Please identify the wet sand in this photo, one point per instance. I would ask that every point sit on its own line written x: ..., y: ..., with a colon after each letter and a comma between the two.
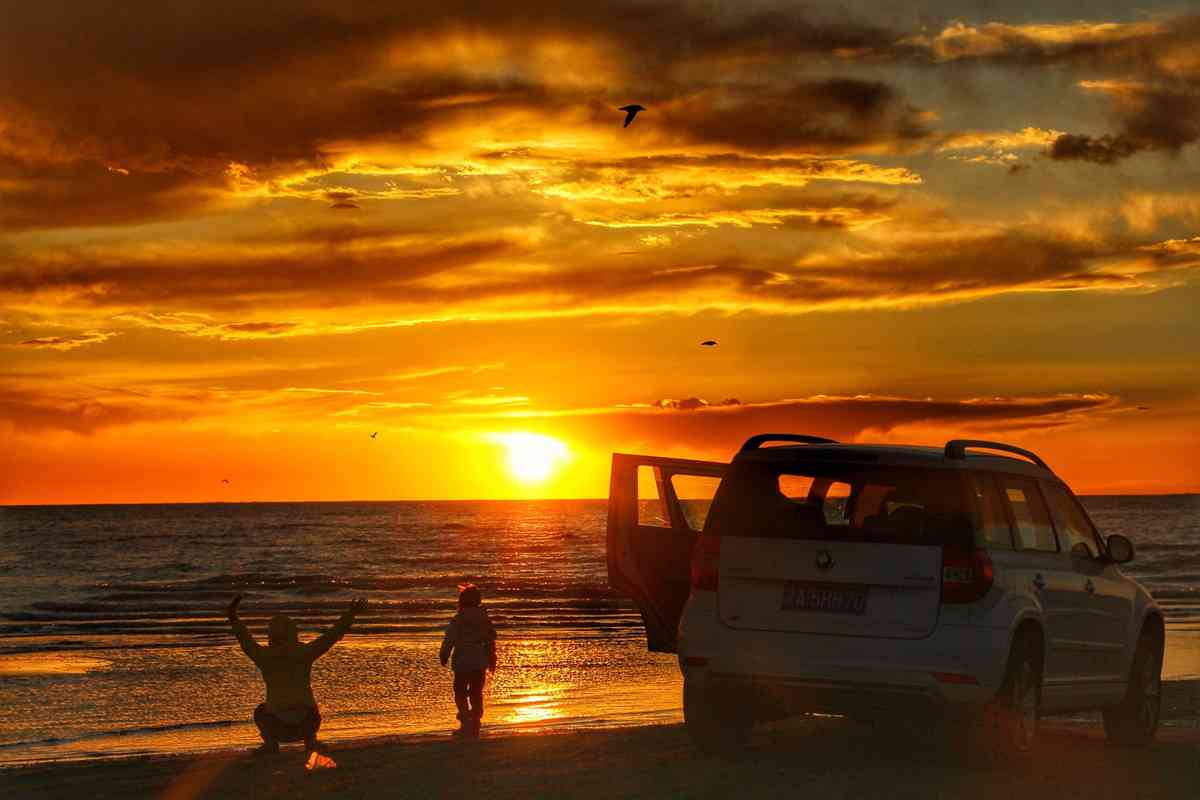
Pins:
x: 807, y: 757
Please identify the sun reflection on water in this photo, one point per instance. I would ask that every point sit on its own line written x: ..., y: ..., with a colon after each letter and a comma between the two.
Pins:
x: 535, y: 682
x: 535, y: 706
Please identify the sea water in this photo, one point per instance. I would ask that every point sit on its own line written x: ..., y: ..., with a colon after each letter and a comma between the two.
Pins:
x: 113, y: 639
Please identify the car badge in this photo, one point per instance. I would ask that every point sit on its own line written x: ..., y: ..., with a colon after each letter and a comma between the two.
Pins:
x: 824, y: 559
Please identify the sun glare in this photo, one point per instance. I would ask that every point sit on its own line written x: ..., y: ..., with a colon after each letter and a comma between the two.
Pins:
x: 532, y: 457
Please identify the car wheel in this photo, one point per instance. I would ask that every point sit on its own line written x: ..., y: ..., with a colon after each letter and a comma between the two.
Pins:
x: 716, y: 722
x: 1134, y: 722
x: 1010, y: 725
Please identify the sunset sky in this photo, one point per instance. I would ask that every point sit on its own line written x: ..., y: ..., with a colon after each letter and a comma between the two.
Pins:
x: 237, y: 239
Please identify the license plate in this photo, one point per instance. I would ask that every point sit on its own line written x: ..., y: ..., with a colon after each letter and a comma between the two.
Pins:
x: 824, y: 597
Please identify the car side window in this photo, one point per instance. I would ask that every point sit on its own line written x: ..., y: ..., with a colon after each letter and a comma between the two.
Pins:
x: 992, y: 521
x: 1029, y: 512
x: 1073, y: 526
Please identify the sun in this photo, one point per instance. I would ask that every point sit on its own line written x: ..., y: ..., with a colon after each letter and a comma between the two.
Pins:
x: 532, y: 457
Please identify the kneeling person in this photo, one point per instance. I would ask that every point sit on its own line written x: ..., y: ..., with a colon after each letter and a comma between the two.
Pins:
x: 290, y: 713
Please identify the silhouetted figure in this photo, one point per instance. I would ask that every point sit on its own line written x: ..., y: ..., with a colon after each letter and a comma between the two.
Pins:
x: 709, y: 343
x: 471, y: 638
x: 224, y: 480
x: 290, y: 713
x: 631, y: 111
x: 373, y: 435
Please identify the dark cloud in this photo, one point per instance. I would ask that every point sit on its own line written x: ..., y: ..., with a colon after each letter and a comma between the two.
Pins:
x: 693, y: 403
x: 1153, y: 118
x: 720, y: 430
x: 1147, y: 67
x: 35, y: 410
x: 338, y: 273
x: 1092, y: 44
x: 225, y: 40
x: 834, y: 115
x: 66, y: 194
x: 260, y: 328
x: 936, y: 268
x: 67, y: 342
x: 320, y: 278
x: 115, y: 117
x: 117, y: 161
x: 162, y: 98
x: 1097, y: 149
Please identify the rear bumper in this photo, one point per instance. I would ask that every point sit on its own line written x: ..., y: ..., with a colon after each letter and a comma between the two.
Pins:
x: 772, y: 695
x: 843, y: 673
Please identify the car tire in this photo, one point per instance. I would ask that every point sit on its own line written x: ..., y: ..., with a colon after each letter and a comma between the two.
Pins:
x: 716, y: 722
x: 1134, y: 722
x: 1008, y: 730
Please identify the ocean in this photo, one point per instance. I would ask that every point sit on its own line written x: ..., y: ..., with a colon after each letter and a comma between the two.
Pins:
x: 113, y: 639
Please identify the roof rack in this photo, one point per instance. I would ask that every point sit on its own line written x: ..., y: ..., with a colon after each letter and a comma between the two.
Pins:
x: 754, y: 442
x: 957, y: 449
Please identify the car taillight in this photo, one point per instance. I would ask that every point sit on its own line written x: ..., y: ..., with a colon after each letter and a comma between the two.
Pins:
x: 706, y: 559
x: 966, y: 574
x: 956, y: 678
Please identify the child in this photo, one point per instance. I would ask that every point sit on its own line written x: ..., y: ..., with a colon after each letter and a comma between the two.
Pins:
x: 472, y: 639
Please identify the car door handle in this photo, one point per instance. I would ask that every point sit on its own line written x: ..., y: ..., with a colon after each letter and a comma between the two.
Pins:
x: 1089, y: 587
x: 1039, y: 582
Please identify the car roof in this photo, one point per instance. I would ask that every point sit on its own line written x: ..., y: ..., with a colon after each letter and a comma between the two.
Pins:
x: 893, y: 455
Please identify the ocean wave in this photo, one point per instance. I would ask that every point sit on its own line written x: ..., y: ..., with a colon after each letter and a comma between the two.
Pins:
x: 140, y: 731
x: 1177, y: 593
x: 228, y: 584
x: 218, y: 626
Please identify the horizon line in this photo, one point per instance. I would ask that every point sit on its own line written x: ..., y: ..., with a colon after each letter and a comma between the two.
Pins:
x: 445, y: 500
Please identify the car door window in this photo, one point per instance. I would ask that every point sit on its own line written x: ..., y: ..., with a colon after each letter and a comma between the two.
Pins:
x: 1074, y: 529
x: 651, y: 507
x: 695, y: 495
x: 1034, y: 531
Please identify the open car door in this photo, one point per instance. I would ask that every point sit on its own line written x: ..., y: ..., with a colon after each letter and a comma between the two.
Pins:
x: 656, y: 510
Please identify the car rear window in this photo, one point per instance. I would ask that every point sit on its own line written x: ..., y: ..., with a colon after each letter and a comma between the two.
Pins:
x: 842, y: 502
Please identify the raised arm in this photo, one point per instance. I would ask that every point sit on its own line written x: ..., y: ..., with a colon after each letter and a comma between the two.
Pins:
x: 320, y: 646
x: 251, y: 648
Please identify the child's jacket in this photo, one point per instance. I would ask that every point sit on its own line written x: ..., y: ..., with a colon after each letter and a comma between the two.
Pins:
x: 471, y: 637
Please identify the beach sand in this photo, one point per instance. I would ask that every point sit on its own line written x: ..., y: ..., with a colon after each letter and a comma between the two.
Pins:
x: 804, y: 757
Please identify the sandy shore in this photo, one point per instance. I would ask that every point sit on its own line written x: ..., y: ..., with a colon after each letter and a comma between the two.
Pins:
x: 825, y: 758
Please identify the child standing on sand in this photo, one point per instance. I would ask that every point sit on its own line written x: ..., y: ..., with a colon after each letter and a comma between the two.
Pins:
x: 471, y: 638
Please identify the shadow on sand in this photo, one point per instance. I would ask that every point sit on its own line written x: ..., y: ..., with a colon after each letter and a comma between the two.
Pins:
x: 827, y: 758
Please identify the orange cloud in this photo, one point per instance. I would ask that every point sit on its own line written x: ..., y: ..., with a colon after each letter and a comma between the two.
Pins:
x: 1032, y: 42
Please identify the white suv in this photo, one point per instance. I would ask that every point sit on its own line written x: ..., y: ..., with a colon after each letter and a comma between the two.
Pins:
x: 875, y: 580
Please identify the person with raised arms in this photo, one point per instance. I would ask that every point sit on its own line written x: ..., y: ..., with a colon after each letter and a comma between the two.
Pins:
x: 290, y: 713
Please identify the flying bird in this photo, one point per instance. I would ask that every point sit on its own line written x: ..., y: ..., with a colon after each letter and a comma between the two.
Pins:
x: 224, y: 480
x: 373, y: 435
x: 709, y: 343
x: 631, y: 111
x: 1143, y: 408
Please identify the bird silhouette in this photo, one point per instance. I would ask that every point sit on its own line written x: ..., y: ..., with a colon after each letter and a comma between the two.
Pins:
x: 709, y: 343
x: 373, y: 435
x: 631, y: 111
x: 224, y: 480
x: 1143, y: 408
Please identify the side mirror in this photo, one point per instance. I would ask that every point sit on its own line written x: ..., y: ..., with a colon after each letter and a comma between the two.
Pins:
x: 1120, y: 549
